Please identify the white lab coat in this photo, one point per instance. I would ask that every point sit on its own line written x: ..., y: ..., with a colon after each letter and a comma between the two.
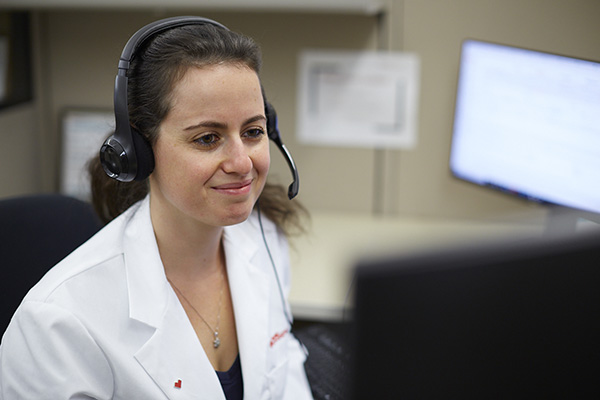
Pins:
x: 105, y: 324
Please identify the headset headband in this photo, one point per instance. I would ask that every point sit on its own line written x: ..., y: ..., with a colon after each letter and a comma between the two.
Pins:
x: 154, y: 28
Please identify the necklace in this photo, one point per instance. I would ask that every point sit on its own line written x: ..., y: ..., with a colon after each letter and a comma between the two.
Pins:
x: 217, y: 341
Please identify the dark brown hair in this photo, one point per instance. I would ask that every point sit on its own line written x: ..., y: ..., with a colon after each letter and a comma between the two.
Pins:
x: 158, y: 65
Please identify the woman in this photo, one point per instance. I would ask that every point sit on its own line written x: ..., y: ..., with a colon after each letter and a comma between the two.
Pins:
x: 178, y: 296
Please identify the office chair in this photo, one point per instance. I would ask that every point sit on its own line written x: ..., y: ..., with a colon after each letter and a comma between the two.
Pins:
x: 36, y: 232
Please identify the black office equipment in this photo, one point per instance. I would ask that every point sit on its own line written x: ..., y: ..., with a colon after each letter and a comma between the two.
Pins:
x: 528, y: 123
x: 329, y: 359
x: 516, y: 319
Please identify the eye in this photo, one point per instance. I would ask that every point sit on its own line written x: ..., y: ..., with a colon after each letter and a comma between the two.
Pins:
x: 207, y: 140
x: 254, y: 133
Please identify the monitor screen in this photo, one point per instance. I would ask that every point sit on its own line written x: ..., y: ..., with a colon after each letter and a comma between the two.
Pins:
x: 528, y: 123
x: 514, y: 319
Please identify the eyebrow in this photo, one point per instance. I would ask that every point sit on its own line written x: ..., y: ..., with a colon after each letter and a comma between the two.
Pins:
x: 220, y: 125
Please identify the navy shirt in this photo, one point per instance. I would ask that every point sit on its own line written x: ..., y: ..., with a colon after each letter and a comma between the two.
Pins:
x: 231, y: 381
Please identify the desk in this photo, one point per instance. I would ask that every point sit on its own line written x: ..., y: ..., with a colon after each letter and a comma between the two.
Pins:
x: 323, y: 261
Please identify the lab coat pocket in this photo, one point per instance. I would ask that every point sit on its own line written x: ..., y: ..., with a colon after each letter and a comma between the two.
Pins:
x: 278, y: 364
x: 276, y: 378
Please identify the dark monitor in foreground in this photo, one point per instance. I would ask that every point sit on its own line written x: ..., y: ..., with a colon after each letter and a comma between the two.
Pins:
x: 509, y: 320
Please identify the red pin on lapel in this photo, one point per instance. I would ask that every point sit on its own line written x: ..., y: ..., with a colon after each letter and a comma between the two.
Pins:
x: 178, y: 384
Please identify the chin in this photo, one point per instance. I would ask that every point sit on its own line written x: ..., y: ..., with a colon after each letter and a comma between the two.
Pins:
x: 236, y: 216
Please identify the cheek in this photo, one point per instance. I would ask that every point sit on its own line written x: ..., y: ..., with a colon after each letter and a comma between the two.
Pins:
x: 166, y: 166
x: 175, y: 167
x: 262, y: 159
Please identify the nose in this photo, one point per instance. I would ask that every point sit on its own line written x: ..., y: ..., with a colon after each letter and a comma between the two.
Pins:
x: 237, y: 158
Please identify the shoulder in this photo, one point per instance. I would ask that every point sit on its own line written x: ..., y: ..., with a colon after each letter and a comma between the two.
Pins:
x: 45, y: 343
x: 88, y: 265
x: 86, y: 291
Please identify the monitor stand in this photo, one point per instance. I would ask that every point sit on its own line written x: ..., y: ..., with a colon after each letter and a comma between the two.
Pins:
x: 562, y: 221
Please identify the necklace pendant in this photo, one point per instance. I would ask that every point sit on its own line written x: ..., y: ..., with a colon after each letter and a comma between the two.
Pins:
x: 217, y: 341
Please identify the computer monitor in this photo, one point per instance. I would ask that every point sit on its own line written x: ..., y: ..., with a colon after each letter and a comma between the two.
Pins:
x: 512, y: 319
x: 528, y: 123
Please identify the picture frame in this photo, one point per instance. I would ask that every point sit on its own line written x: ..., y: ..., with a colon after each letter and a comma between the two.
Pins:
x: 82, y: 133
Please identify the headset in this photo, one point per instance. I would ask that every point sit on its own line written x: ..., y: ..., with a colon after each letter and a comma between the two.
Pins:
x: 126, y: 155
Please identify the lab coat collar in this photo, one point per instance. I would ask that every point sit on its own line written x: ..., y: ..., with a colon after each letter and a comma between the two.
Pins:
x: 146, y: 279
x: 173, y: 352
x: 174, y: 359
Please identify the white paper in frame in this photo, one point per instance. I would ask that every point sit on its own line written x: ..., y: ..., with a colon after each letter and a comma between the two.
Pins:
x: 83, y: 132
x: 366, y: 99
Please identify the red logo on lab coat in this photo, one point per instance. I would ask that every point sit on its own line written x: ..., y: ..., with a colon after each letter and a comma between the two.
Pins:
x: 278, y: 336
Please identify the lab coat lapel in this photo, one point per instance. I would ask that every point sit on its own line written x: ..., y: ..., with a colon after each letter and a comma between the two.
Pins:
x: 249, y: 286
x: 174, y: 358
x: 172, y: 355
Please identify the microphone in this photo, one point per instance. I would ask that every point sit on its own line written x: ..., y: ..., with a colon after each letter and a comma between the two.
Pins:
x: 273, y: 132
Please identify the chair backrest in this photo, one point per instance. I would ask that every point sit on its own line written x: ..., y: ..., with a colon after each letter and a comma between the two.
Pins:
x: 36, y: 232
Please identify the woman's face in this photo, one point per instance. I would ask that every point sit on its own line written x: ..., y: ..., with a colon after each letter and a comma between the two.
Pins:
x: 212, y: 151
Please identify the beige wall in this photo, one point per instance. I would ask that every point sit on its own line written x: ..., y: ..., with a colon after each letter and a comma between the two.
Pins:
x: 19, y: 164
x: 79, y: 51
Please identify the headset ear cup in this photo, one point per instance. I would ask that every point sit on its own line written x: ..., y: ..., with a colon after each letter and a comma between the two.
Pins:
x: 144, y: 155
x: 113, y: 158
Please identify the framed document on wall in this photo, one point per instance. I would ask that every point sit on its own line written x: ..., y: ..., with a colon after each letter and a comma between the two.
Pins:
x: 83, y: 132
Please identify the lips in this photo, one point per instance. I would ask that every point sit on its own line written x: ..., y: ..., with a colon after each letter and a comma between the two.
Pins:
x: 234, y: 187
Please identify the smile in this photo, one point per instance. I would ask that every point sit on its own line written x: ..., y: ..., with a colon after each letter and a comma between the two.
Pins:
x: 235, y: 188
